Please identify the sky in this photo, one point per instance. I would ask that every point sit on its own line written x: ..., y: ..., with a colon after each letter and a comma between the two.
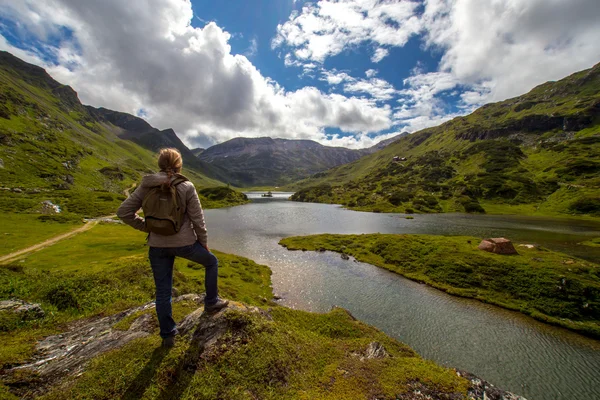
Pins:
x: 344, y: 73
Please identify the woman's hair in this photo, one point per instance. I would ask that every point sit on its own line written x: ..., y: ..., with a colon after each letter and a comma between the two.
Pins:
x: 169, y: 161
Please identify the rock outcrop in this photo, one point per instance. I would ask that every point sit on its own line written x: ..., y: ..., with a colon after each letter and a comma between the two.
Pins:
x: 26, y: 311
x: 64, y: 356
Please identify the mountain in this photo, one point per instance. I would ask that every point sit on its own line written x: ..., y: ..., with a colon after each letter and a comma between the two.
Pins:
x: 273, y: 162
x: 537, y: 153
x: 129, y: 127
x: 197, y: 151
x: 80, y: 158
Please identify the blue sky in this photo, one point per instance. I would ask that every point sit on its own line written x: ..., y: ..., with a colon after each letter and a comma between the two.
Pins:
x: 341, y: 72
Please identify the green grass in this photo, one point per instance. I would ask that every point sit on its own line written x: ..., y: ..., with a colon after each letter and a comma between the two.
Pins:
x: 549, y: 286
x: 103, y: 271
x: 592, y: 243
x: 297, y: 355
x: 19, y: 231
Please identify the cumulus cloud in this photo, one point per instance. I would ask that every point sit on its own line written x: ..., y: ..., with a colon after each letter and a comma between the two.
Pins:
x: 145, y: 54
x: 491, y: 49
x: 509, y: 47
x: 326, y: 28
x: 379, y: 54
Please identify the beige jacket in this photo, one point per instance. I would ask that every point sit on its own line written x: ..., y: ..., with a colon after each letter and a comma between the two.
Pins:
x: 193, y: 227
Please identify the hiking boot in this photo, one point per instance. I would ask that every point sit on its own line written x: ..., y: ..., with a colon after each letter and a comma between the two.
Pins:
x: 168, y: 342
x: 219, y: 305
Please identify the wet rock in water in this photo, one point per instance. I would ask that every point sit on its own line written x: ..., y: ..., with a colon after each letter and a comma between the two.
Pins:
x: 60, y: 356
x: 497, y: 246
x: 482, y: 390
x: 321, y: 249
x: 27, y: 311
x: 276, y: 297
x: 345, y: 256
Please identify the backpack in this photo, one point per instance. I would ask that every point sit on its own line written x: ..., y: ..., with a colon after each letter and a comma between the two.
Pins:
x: 163, y: 210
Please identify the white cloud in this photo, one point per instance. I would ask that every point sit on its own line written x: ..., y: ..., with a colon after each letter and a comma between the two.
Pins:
x: 513, y: 46
x: 335, y: 77
x: 326, y: 28
x: 379, y: 54
x: 252, y: 49
x: 145, y: 54
x: 370, y: 73
x: 377, y: 88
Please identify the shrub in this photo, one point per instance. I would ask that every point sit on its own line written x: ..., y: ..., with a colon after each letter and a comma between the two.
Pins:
x: 588, y: 205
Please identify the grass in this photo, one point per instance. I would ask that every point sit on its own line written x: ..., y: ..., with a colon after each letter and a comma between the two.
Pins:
x: 296, y: 355
x: 549, y: 286
x: 103, y: 271
x: 19, y: 231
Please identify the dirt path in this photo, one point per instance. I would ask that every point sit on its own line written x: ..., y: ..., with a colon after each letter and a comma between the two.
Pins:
x: 89, y: 224
x: 36, y: 247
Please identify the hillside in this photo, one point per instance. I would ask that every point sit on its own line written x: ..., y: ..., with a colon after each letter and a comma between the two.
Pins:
x: 537, y: 153
x: 274, y: 162
x: 52, y: 148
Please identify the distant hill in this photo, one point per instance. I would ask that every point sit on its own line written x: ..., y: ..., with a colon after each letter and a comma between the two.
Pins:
x: 129, y: 127
x: 80, y: 158
x: 537, y: 153
x: 274, y: 162
x: 197, y: 151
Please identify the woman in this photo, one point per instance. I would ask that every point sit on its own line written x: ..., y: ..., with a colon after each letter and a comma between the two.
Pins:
x: 189, y: 242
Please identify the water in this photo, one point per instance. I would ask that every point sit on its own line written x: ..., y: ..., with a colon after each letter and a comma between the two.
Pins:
x: 510, y: 350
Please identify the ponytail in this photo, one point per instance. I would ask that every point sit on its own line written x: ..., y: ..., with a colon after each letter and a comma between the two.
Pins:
x: 169, y: 161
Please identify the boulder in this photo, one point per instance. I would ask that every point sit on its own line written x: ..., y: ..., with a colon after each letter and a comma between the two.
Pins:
x: 498, y: 246
x: 27, y: 311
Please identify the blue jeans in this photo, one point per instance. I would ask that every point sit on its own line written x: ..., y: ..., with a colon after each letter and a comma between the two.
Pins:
x: 161, y: 261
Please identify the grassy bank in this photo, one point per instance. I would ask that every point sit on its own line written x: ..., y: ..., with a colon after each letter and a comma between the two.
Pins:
x: 295, y: 355
x: 549, y: 286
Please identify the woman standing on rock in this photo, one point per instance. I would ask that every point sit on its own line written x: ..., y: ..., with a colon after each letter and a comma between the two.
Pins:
x: 174, y: 221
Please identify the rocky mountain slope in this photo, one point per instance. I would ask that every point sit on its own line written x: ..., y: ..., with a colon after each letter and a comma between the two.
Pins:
x: 536, y: 153
x: 79, y: 158
x: 274, y: 162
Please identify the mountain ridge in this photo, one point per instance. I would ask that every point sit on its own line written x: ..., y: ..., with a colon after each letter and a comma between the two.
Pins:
x: 266, y: 161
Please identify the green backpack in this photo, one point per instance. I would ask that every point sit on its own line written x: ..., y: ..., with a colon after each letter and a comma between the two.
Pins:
x: 163, y: 210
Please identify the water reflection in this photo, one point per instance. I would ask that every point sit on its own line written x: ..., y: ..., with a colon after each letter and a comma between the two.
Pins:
x: 510, y: 350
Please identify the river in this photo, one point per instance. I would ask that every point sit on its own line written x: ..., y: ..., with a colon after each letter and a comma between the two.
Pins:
x: 510, y: 350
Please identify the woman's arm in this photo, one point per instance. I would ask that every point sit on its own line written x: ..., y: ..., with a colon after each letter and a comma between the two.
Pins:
x: 127, y: 210
x: 196, y: 215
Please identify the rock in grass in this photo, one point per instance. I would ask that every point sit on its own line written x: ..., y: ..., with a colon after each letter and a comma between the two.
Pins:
x: 27, y: 311
x: 498, y: 246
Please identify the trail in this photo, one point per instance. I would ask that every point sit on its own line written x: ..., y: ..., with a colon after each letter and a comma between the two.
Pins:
x: 89, y: 224
x: 36, y: 247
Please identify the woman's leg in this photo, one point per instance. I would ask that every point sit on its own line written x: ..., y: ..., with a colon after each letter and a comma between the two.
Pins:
x: 198, y: 254
x: 162, y: 260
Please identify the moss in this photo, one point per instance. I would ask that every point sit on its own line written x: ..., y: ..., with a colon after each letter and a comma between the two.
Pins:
x: 559, y: 290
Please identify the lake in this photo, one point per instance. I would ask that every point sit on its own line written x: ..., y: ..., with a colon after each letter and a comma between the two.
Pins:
x: 510, y: 350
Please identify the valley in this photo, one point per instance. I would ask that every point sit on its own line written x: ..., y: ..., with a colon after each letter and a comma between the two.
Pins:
x: 414, y: 206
